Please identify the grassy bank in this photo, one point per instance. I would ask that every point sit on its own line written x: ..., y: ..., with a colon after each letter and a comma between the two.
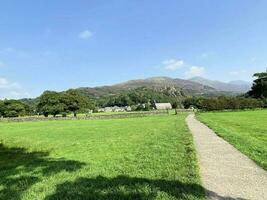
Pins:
x: 246, y: 130
x: 133, y: 158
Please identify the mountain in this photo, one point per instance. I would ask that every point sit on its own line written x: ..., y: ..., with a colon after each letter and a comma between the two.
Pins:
x: 179, y: 86
x: 171, y: 87
x: 233, y: 86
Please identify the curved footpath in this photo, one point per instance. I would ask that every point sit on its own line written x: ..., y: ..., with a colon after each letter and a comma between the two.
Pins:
x: 225, y: 172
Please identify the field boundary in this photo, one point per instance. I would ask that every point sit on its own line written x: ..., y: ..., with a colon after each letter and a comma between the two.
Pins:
x: 90, y: 117
x: 231, y: 110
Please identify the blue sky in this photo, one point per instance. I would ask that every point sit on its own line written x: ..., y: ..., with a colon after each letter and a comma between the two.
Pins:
x: 59, y: 44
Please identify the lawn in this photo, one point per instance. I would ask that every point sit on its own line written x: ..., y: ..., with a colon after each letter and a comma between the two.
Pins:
x: 246, y: 130
x: 133, y: 158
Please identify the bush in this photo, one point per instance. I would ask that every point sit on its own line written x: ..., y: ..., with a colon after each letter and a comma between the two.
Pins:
x: 223, y: 103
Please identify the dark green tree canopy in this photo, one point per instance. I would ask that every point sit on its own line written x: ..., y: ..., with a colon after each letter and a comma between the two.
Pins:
x: 13, y: 108
x: 222, y: 103
x: 259, y: 88
x: 54, y: 103
x: 75, y: 101
x: 50, y: 102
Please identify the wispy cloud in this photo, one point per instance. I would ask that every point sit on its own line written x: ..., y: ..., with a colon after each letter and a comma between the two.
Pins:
x: 173, y: 64
x: 196, y: 71
x: 3, y: 83
x: 205, y: 55
x: 85, y: 34
x: 11, y: 90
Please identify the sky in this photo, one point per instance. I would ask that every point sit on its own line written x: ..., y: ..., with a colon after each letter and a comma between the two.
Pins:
x: 59, y: 44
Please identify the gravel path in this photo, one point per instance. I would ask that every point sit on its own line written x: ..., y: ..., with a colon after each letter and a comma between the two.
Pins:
x: 226, y: 173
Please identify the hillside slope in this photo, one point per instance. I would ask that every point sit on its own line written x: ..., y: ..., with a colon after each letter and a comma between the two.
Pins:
x: 233, y: 86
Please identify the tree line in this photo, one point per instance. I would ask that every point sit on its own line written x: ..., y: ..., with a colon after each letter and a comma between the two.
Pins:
x: 49, y: 103
x: 223, y: 103
x: 74, y: 101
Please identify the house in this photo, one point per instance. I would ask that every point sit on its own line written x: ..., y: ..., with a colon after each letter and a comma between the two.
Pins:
x: 163, y: 106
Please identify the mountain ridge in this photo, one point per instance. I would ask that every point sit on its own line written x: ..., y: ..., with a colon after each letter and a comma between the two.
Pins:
x: 237, y: 86
x: 191, y: 87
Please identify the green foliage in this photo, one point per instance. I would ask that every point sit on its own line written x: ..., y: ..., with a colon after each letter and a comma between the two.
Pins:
x: 13, y: 108
x: 135, y: 158
x: 259, y: 88
x: 245, y: 130
x: 54, y: 103
x: 222, y: 103
x: 31, y: 105
x: 74, y: 101
x: 51, y: 102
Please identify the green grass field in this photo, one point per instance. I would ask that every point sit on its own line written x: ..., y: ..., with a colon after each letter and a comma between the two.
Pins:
x: 134, y: 158
x: 246, y: 130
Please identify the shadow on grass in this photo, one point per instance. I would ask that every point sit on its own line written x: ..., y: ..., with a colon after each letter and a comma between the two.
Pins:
x: 124, y: 187
x: 20, y: 169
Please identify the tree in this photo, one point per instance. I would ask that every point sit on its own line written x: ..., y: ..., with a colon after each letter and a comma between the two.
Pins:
x: 50, y: 102
x: 12, y: 108
x: 2, y: 108
x: 30, y: 105
x: 259, y: 88
x: 74, y: 101
x: 53, y: 103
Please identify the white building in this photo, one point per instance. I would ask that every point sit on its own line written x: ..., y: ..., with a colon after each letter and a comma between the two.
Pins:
x: 163, y: 106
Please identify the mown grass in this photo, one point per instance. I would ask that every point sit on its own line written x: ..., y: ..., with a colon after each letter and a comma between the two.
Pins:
x: 246, y: 130
x: 134, y: 158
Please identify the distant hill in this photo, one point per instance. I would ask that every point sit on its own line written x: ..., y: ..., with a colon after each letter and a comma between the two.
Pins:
x: 171, y: 87
x: 233, y: 86
x: 180, y: 86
